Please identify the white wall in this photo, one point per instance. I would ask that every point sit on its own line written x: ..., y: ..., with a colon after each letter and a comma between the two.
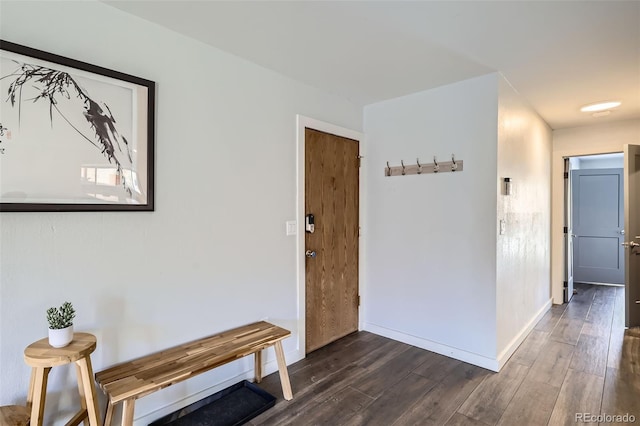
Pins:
x: 597, y: 139
x: 430, y: 239
x: 213, y: 255
x: 523, y: 255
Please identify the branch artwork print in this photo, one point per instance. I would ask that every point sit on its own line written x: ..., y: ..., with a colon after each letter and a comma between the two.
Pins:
x: 52, y: 87
x: 3, y: 132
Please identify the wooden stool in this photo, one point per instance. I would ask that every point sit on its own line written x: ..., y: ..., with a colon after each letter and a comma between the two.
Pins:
x: 14, y: 415
x: 42, y: 357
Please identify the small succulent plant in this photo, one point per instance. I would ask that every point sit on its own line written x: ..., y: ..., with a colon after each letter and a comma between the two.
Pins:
x: 61, y: 317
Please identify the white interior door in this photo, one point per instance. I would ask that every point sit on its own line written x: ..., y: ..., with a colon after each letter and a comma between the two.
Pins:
x: 632, y: 228
x: 597, y: 225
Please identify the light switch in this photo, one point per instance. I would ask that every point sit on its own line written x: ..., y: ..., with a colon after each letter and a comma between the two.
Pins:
x: 292, y: 227
x: 503, y: 226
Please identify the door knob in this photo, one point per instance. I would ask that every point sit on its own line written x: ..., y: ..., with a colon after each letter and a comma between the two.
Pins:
x: 631, y: 244
x: 312, y: 253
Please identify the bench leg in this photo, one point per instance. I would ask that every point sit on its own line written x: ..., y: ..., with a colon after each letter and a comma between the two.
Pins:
x: 108, y: 415
x: 258, y: 366
x: 284, y: 374
x: 127, y: 412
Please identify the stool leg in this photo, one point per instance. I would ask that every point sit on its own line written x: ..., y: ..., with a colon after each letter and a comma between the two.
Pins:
x: 86, y: 372
x: 258, y: 366
x: 284, y: 374
x: 39, y: 394
x: 83, y: 400
x: 32, y: 383
x: 127, y: 412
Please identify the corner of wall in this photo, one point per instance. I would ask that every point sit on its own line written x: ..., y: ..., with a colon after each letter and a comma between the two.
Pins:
x: 430, y: 278
x: 523, y: 217
x: 518, y: 338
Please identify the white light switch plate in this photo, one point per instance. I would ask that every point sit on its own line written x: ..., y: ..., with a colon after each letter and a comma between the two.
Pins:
x: 503, y: 226
x: 292, y: 227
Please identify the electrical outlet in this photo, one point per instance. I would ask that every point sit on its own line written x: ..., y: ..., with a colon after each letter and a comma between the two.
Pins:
x: 503, y: 226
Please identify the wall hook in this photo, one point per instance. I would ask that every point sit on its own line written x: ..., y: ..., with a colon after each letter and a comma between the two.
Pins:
x: 423, y: 169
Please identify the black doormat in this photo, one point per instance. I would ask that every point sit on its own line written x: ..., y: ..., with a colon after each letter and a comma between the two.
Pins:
x: 233, y: 406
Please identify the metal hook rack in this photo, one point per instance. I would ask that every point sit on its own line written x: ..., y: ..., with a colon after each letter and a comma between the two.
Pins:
x: 419, y: 169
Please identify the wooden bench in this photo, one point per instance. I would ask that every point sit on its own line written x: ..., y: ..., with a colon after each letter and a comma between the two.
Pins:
x: 131, y: 380
x: 14, y: 415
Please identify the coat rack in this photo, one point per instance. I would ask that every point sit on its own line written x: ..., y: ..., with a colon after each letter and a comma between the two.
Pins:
x: 422, y: 169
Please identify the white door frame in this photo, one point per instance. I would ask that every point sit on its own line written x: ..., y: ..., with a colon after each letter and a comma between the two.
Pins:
x: 568, y: 223
x: 557, y: 214
x: 302, y: 123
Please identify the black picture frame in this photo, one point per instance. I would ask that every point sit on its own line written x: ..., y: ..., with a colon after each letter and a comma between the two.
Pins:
x: 73, y: 136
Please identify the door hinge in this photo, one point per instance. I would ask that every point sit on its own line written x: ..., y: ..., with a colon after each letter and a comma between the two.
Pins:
x: 360, y: 157
x: 566, y: 284
x: 565, y: 229
x: 566, y: 175
x: 358, y: 300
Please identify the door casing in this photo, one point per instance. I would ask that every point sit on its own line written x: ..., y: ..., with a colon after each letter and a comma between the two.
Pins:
x: 632, y: 268
x: 568, y: 232
x: 558, y: 242
x: 303, y: 122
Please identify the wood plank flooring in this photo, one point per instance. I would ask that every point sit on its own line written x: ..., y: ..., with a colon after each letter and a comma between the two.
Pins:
x: 578, y: 359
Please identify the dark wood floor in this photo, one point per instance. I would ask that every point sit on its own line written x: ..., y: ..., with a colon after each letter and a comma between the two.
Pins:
x: 578, y: 359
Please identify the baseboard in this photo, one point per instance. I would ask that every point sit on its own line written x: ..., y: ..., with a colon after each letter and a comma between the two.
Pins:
x: 504, y: 356
x: 270, y: 366
x: 450, y: 351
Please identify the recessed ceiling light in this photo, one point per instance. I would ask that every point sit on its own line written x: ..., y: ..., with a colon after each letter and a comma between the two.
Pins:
x: 600, y: 106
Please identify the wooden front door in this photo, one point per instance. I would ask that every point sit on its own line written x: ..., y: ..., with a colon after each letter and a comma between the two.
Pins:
x: 331, y: 196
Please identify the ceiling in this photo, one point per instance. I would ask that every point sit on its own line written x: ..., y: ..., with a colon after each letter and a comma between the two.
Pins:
x: 560, y: 55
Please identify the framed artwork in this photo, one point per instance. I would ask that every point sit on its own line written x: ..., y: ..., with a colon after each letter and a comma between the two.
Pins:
x: 73, y: 136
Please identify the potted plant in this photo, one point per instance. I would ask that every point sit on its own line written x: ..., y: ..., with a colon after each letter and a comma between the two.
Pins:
x: 61, y: 325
